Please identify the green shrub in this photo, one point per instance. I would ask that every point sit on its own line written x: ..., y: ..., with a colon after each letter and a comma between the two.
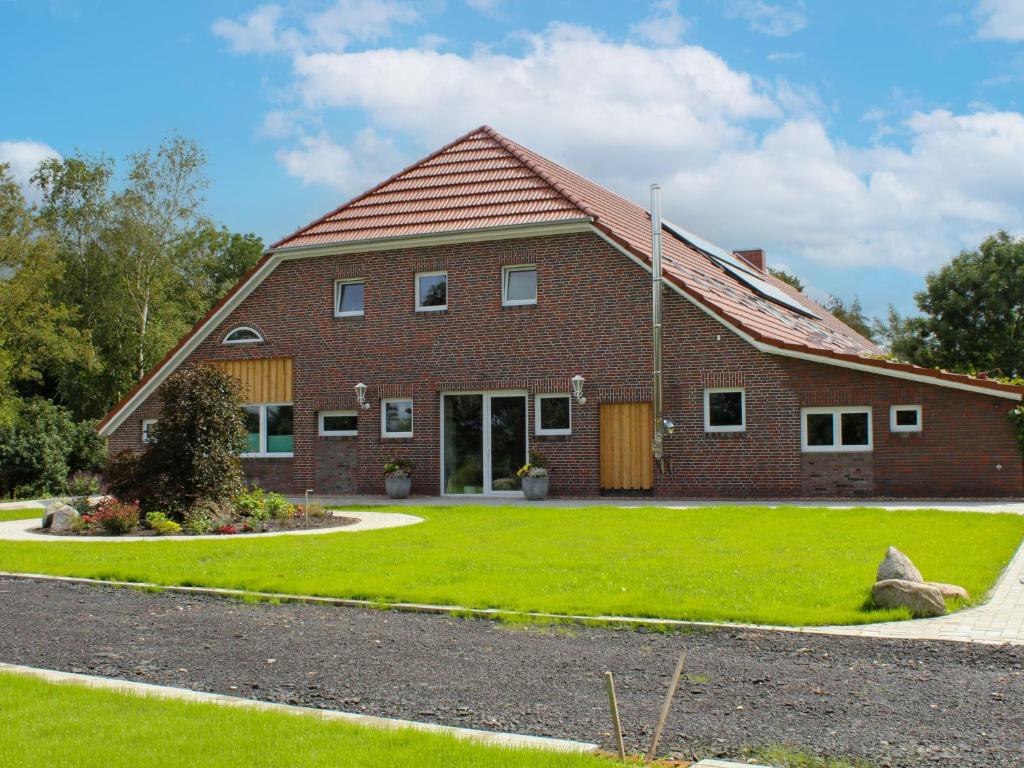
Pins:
x: 252, y: 503
x: 278, y: 507
x: 202, y: 431
x: 83, y: 483
x: 198, y: 521
x: 163, y: 525
x: 116, y: 517
x: 314, y: 511
x: 126, y: 477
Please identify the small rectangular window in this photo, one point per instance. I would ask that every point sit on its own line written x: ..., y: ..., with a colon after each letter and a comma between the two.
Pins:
x: 348, y: 298
x: 396, y: 418
x: 519, y: 285
x: 905, y: 418
x: 431, y: 291
x: 840, y: 429
x: 553, y: 415
x: 725, y: 410
x: 279, y: 429
x: 147, y: 434
x: 339, y: 423
x: 253, y: 428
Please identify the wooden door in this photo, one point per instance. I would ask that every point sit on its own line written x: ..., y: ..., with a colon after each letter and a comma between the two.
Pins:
x: 626, y: 434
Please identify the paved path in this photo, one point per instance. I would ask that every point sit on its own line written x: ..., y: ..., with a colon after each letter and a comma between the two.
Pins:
x: 26, y: 530
x: 891, y: 702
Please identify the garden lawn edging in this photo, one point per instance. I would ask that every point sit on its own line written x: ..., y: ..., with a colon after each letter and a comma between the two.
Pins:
x: 15, y: 530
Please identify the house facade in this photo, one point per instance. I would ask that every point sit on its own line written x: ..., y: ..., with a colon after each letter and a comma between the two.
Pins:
x: 486, y: 301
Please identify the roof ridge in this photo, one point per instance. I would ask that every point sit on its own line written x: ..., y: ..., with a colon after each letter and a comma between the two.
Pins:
x: 513, y: 149
x: 319, y: 220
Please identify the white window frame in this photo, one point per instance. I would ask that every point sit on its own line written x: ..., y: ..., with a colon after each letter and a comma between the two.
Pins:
x: 323, y: 432
x: 146, y: 424
x: 337, y: 291
x: 537, y: 428
x: 505, y: 272
x: 742, y: 426
x: 229, y: 334
x: 416, y: 288
x: 894, y: 427
x: 263, y: 453
x: 837, y: 431
x: 384, y: 417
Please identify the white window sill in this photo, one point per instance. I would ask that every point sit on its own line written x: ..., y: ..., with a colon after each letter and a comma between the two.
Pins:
x: 266, y: 455
x: 347, y: 433
x: 837, y: 449
x: 552, y: 432
x: 350, y: 314
x: 716, y: 430
x: 390, y: 435
x: 432, y: 309
x: 519, y: 303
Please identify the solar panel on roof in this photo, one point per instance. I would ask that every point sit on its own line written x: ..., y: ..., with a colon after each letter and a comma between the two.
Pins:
x: 738, y: 270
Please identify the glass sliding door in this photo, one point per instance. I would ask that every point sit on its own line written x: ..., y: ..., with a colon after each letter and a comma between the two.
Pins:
x: 484, y: 443
x: 463, y: 443
x: 508, y: 441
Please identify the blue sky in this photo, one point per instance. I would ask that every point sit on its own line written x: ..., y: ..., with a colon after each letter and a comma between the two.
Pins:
x: 860, y: 144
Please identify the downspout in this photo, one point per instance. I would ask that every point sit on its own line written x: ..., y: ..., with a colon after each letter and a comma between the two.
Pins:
x: 656, y: 285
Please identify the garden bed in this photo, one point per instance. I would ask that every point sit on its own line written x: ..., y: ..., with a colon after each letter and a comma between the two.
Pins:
x: 267, y: 526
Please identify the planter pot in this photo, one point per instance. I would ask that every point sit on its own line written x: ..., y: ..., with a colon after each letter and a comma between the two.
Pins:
x: 535, y: 488
x: 397, y: 486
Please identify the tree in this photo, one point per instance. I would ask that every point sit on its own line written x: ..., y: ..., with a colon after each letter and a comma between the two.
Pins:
x: 852, y: 314
x: 787, y: 277
x: 193, y: 453
x: 974, y: 309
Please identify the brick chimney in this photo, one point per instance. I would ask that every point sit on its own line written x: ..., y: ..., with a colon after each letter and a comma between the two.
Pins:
x: 753, y: 257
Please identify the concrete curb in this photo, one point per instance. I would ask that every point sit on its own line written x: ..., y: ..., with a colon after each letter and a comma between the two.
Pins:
x: 495, y: 739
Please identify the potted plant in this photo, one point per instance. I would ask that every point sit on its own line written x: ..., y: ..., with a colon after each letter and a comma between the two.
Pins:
x: 398, y: 478
x: 535, y: 477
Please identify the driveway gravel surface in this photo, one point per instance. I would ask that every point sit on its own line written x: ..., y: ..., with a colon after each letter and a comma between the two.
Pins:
x: 889, y: 702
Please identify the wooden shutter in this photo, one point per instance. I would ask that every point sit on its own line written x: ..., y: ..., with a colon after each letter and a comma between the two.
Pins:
x: 626, y: 434
x: 266, y: 380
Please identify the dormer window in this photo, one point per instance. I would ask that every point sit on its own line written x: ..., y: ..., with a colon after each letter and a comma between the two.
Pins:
x: 243, y: 335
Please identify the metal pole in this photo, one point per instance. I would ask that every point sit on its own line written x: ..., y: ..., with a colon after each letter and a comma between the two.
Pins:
x: 667, y: 705
x: 616, y: 723
x: 656, y: 291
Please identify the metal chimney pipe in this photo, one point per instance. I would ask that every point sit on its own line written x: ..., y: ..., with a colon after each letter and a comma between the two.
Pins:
x: 656, y: 286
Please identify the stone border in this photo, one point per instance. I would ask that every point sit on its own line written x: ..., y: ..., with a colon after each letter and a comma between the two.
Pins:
x: 15, y: 530
x: 496, y: 739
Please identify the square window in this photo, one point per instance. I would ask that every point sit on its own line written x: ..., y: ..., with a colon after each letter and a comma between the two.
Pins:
x: 431, y: 291
x: 519, y: 285
x: 348, y: 298
x: 339, y: 423
x: 846, y: 428
x: 724, y: 410
x: 396, y: 418
x: 905, y: 418
x: 553, y: 415
x: 147, y: 430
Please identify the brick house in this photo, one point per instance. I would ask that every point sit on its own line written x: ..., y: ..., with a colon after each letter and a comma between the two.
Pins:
x: 467, y: 292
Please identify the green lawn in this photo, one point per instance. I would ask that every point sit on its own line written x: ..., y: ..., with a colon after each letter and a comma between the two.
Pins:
x: 793, y: 565
x: 45, y: 724
x: 20, y: 514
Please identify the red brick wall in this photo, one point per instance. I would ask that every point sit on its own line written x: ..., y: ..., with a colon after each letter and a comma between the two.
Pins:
x: 592, y: 318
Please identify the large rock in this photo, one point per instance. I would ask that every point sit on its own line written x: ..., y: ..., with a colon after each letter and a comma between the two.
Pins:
x: 922, y: 599
x: 59, y: 517
x: 949, y: 590
x: 896, y: 565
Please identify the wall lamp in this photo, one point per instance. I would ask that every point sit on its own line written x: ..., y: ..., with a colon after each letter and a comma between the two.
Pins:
x: 361, y: 396
x: 577, y: 389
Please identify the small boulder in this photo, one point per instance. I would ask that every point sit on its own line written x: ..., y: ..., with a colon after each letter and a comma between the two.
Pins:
x: 949, y: 590
x: 922, y: 599
x: 896, y: 565
x: 59, y: 517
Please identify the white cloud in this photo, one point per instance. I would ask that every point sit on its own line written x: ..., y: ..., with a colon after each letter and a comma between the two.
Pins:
x: 24, y: 157
x: 767, y: 18
x: 664, y: 26
x: 487, y: 7
x: 318, y: 159
x: 1000, y: 19
x: 785, y: 56
x: 332, y: 29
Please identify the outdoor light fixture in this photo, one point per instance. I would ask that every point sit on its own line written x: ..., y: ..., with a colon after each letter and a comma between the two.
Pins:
x: 668, y: 426
x: 577, y: 389
x: 361, y: 396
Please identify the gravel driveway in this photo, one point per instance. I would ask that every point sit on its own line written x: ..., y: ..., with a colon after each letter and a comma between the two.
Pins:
x: 895, y: 703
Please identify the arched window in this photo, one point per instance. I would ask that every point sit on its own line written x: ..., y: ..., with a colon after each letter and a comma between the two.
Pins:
x: 243, y: 335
